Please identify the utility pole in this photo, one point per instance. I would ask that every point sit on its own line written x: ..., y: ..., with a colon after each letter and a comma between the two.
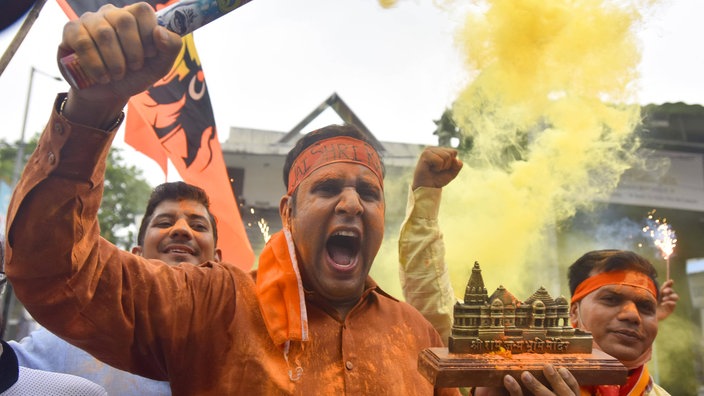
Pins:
x: 20, y: 148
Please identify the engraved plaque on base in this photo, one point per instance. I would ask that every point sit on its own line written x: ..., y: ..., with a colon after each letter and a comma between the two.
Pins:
x: 446, y: 370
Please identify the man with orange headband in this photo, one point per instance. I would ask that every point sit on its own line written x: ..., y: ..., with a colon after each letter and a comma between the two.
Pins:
x: 310, y: 321
x: 615, y: 297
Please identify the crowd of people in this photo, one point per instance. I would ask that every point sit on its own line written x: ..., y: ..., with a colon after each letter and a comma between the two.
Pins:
x: 170, y: 317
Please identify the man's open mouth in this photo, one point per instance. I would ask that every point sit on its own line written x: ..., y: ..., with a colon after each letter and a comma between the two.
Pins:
x: 343, y: 248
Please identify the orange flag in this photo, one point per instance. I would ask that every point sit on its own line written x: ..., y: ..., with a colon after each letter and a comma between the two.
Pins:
x: 174, y: 119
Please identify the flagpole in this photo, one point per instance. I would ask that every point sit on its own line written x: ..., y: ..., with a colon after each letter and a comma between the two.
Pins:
x: 21, y: 34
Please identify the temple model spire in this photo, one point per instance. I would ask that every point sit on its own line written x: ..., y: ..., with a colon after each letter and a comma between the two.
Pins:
x: 540, y: 324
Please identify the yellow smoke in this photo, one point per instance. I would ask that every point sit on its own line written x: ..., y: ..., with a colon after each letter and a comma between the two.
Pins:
x: 387, y: 3
x: 550, y: 128
x: 547, y: 111
x: 551, y: 131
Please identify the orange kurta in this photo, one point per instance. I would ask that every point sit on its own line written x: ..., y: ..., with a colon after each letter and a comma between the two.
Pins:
x: 199, y: 327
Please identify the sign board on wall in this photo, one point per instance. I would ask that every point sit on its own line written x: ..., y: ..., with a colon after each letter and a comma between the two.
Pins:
x: 667, y: 179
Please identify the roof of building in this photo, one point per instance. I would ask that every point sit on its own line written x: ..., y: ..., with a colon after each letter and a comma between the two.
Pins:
x: 268, y: 142
x: 673, y: 126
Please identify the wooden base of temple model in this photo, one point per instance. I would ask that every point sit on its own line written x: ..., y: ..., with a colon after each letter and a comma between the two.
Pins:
x: 448, y: 370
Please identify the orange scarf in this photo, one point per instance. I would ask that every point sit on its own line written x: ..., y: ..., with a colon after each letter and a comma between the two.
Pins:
x: 280, y: 291
x: 637, y: 384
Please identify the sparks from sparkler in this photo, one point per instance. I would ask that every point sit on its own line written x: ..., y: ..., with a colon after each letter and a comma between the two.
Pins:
x: 264, y: 228
x: 251, y: 211
x: 663, y: 236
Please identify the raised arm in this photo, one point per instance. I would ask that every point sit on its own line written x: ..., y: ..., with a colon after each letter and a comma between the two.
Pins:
x: 668, y: 299
x: 424, y: 274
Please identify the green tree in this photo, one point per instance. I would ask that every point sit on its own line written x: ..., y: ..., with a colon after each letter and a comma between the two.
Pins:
x: 449, y: 134
x: 124, y: 199
x: 8, y: 156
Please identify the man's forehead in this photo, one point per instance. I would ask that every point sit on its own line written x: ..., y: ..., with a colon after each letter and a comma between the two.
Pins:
x: 343, y: 170
x: 180, y: 206
x: 627, y: 291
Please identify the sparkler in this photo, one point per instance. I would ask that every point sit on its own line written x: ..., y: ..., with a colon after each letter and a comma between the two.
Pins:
x: 663, y: 237
x: 264, y: 228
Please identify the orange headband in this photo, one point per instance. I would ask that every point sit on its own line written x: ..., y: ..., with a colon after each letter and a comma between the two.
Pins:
x: 328, y: 151
x: 628, y: 278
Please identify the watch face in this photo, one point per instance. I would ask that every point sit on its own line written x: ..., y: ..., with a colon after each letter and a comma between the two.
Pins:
x: 12, y: 10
